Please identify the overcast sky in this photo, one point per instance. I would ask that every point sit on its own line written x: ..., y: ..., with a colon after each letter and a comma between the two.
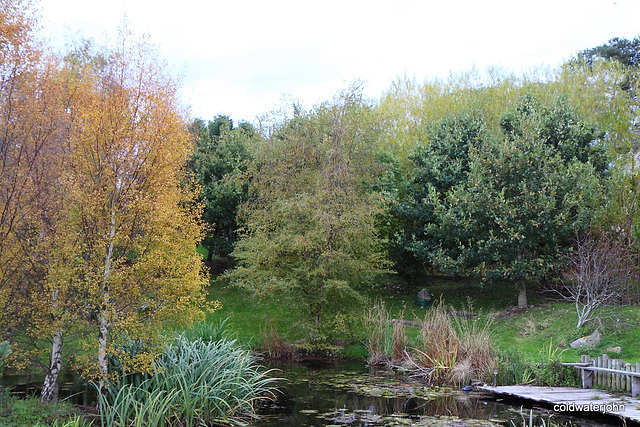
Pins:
x: 242, y: 57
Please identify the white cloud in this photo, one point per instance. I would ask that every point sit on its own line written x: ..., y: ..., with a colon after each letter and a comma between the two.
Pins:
x: 240, y: 57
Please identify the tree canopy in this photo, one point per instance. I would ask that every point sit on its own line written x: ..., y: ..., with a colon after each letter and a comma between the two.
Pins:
x: 218, y: 164
x: 625, y: 51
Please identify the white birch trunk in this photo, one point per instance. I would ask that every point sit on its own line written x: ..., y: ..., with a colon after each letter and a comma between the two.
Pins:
x: 103, y: 318
x: 50, y: 386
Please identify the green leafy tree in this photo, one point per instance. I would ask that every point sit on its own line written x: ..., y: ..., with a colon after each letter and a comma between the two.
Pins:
x: 517, y: 199
x: 440, y: 164
x: 625, y: 51
x: 310, y: 222
x: 218, y: 165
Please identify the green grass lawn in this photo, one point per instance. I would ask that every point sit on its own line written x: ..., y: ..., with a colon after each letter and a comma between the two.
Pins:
x: 248, y: 314
x: 545, y: 324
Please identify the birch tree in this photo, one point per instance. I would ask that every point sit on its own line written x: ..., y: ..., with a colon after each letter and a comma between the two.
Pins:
x: 128, y: 230
x: 32, y: 127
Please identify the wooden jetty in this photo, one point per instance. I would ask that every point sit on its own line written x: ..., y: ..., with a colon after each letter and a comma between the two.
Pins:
x: 574, y: 400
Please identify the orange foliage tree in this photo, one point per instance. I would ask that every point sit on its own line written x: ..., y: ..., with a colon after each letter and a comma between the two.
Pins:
x: 130, y: 234
x: 31, y: 159
x: 95, y: 228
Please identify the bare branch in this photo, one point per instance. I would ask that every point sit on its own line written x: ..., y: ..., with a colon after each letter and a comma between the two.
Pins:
x: 599, y: 272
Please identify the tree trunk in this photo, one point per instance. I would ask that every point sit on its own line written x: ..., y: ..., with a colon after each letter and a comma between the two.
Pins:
x: 522, y: 297
x: 50, y: 386
x: 103, y: 317
x: 318, y: 313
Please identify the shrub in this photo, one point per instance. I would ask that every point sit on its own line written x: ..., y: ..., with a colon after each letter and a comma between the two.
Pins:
x: 31, y: 412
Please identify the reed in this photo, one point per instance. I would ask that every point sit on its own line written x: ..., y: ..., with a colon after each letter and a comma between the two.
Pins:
x: 399, y: 342
x: 274, y: 345
x: 476, y: 352
x: 438, y: 343
x: 377, y: 323
x: 76, y: 421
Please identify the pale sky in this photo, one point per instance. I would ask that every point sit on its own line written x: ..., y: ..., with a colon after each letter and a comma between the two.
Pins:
x: 243, y: 57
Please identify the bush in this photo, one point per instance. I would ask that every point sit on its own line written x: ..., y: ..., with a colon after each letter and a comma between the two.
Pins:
x: 549, y: 371
x: 31, y: 412
x: 554, y: 373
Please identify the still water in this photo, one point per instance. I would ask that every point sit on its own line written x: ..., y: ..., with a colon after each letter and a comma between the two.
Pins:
x: 350, y: 394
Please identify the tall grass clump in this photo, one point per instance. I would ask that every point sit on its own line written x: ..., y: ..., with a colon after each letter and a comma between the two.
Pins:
x: 208, y: 331
x: 438, y: 345
x: 399, y: 342
x: 273, y: 343
x: 513, y: 368
x: 476, y: 353
x: 194, y: 383
x: 377, y: 323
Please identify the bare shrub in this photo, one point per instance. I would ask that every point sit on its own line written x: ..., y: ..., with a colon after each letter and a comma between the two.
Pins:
x: 598, y: 273
x: 272, y: 341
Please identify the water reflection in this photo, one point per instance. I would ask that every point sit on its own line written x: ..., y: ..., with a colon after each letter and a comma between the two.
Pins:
x: 322, y: 394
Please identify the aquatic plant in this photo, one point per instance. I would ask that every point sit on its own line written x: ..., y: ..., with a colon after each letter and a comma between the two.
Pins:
x: 512, y: 368
x: 209, y: 331
x: 531, y: 421
x: 476, y: 353
x: 194, y: 383
x: 377, y: 323
x: 399, y: 342
x: 275, y: 346
x: 438, y: 344
x: 450, y: 347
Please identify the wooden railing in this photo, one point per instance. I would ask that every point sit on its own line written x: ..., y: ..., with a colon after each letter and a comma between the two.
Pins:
x: 613, y: 374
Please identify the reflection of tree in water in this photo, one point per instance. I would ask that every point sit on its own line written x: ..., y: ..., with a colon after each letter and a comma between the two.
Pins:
x: 461, y: 406
x: 445, y: 405
x: 327, y: 389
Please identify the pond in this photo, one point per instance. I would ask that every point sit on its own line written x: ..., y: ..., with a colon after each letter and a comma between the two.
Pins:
x: 330, y: 393
x: 321, y: 393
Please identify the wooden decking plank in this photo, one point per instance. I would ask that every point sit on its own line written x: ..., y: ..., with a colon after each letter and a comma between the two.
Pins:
x: 574, y: 396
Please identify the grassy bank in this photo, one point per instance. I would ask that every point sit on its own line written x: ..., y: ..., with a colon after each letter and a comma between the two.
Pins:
x: 545, y: 325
